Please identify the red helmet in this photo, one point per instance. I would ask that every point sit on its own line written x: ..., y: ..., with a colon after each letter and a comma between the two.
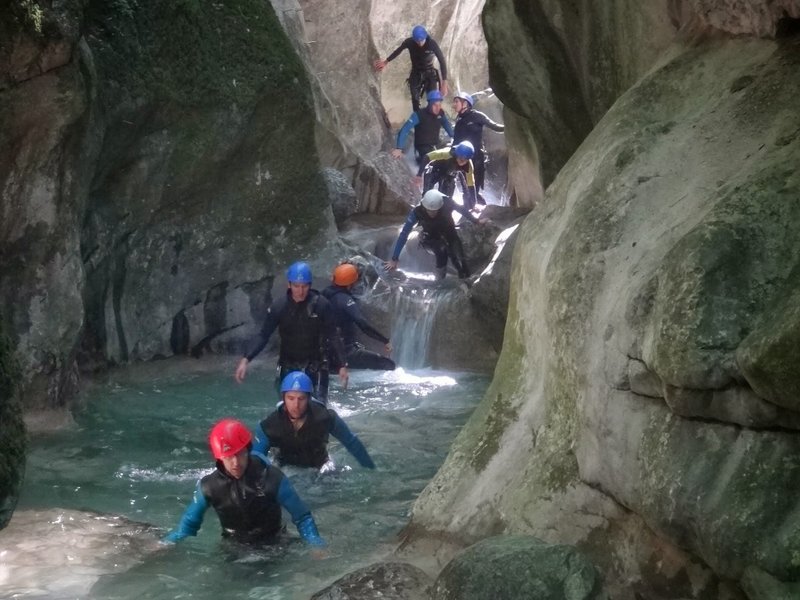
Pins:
x: 228, y: 437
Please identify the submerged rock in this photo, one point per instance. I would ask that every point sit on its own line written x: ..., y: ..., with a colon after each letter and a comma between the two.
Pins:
x: 518, y: 568
x: 391, y: 580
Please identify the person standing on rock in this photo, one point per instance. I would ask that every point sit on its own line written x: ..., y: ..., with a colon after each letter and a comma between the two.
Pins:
x: 308, y: 333
x: 347, y: 315
x: 247, y: 493
x: 427, y: 124
x: 299, y: 429
x: 469, y: 128
x: 439, y: 236
x: 424, y: 77
x: 446, y: 165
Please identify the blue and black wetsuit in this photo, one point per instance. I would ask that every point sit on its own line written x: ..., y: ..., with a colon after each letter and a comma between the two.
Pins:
x: 348, y: 315
x: 308, y: 446
x: 249, y: 508
x: 426, y: 127
x: 469, y: 128
x: 438, y: 236
x: 308, y: 333
x: 423, y: 77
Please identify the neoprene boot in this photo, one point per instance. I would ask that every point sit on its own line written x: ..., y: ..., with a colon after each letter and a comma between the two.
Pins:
x: 440, y: 273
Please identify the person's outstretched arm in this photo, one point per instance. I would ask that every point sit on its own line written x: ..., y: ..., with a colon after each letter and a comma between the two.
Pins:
x: 353, y: 311
x: 192, y: 518
x: 411, y: 220
x: 440, y: 57
x: 258, y: 343
x: 350, y: 441
x: 487, y: 122
x: 261, y: 443
x: 402, y: 135
x: 301, y: 515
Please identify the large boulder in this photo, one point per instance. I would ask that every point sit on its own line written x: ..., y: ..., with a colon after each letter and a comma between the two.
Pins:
x: 518, y: 568
x: 648, y: 291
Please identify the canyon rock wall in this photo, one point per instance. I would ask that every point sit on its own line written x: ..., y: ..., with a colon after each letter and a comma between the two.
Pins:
x: 644, y: 404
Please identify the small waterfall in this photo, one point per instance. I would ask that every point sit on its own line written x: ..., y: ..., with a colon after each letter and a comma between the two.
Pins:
x: 414, y: 315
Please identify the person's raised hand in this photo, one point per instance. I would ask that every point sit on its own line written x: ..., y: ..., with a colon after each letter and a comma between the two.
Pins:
x: 397, y: 152
x: 444, y: 88
x: 388, y: 348
x: 390, y: 265
x: 344, y: 377
x: 379, y: 65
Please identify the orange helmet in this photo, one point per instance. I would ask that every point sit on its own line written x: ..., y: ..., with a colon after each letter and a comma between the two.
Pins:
x: 345, y: 274
x: 228, y: 437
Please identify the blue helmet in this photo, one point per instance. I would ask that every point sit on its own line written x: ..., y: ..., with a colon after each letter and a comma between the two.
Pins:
x: 466, y: 98
x: 419, y: 34
x: 297, y: 381
x: 464, y: 150
x: 299, y: 272
x: 434, y: 96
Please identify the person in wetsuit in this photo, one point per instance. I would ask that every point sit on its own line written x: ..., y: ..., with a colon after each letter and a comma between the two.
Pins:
x: 435, y: 215
x: 246, y: 492
x: 445, y: 164
x: 469, y: 128
x: 348, y: 315
x: 308, y: 332
x: 299, y: 428
x: 424, y: 77
x: 427, y: 124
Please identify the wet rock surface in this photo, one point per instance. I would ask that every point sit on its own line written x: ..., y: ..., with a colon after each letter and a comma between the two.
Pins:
x: 518, y: 568
x: 391, y: 580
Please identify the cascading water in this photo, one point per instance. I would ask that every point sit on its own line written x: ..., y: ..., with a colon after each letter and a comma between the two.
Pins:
x: 415, y: 313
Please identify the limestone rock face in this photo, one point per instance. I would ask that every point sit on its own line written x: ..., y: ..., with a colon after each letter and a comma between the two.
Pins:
x: 162, y: 173
x: 518, y: 568
x: 391, y: 580
x: 654, y: 285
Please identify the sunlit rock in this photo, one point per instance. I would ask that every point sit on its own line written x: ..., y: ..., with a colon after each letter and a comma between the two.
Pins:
x: 61, y: 553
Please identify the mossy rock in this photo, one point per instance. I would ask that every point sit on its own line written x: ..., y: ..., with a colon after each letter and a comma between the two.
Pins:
x: 12, y: 431
x: 518, y: 568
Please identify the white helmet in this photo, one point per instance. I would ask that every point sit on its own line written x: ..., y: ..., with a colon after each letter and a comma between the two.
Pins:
x: 433, y: 200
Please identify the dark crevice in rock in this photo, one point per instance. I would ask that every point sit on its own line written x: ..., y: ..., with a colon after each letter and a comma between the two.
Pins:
x: 179, y: 336
x: 117, y: 289
x: 787, y: 27
x: 204, y: 345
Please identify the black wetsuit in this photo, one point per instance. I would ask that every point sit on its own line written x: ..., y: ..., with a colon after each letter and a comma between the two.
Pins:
x: 423, y: 77
x: 308, y: 446
x: 469, y: 128
x: 439, y: 235
x: 249, y: 508
x: 308, y: 332
x: 347, y: 314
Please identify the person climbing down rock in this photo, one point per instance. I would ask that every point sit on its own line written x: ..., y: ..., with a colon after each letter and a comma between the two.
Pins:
x: 439, y: 236
x: 247, y: 493
x: 347, y: 315
x: 427, y: 124
x: 469, y: 128
x: 299, y: 428
x: 308, y: 333
x: 446, y: 165
x: 424, y: 77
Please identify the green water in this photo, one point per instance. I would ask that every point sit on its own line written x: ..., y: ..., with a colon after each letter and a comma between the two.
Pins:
x: 140, y: 444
